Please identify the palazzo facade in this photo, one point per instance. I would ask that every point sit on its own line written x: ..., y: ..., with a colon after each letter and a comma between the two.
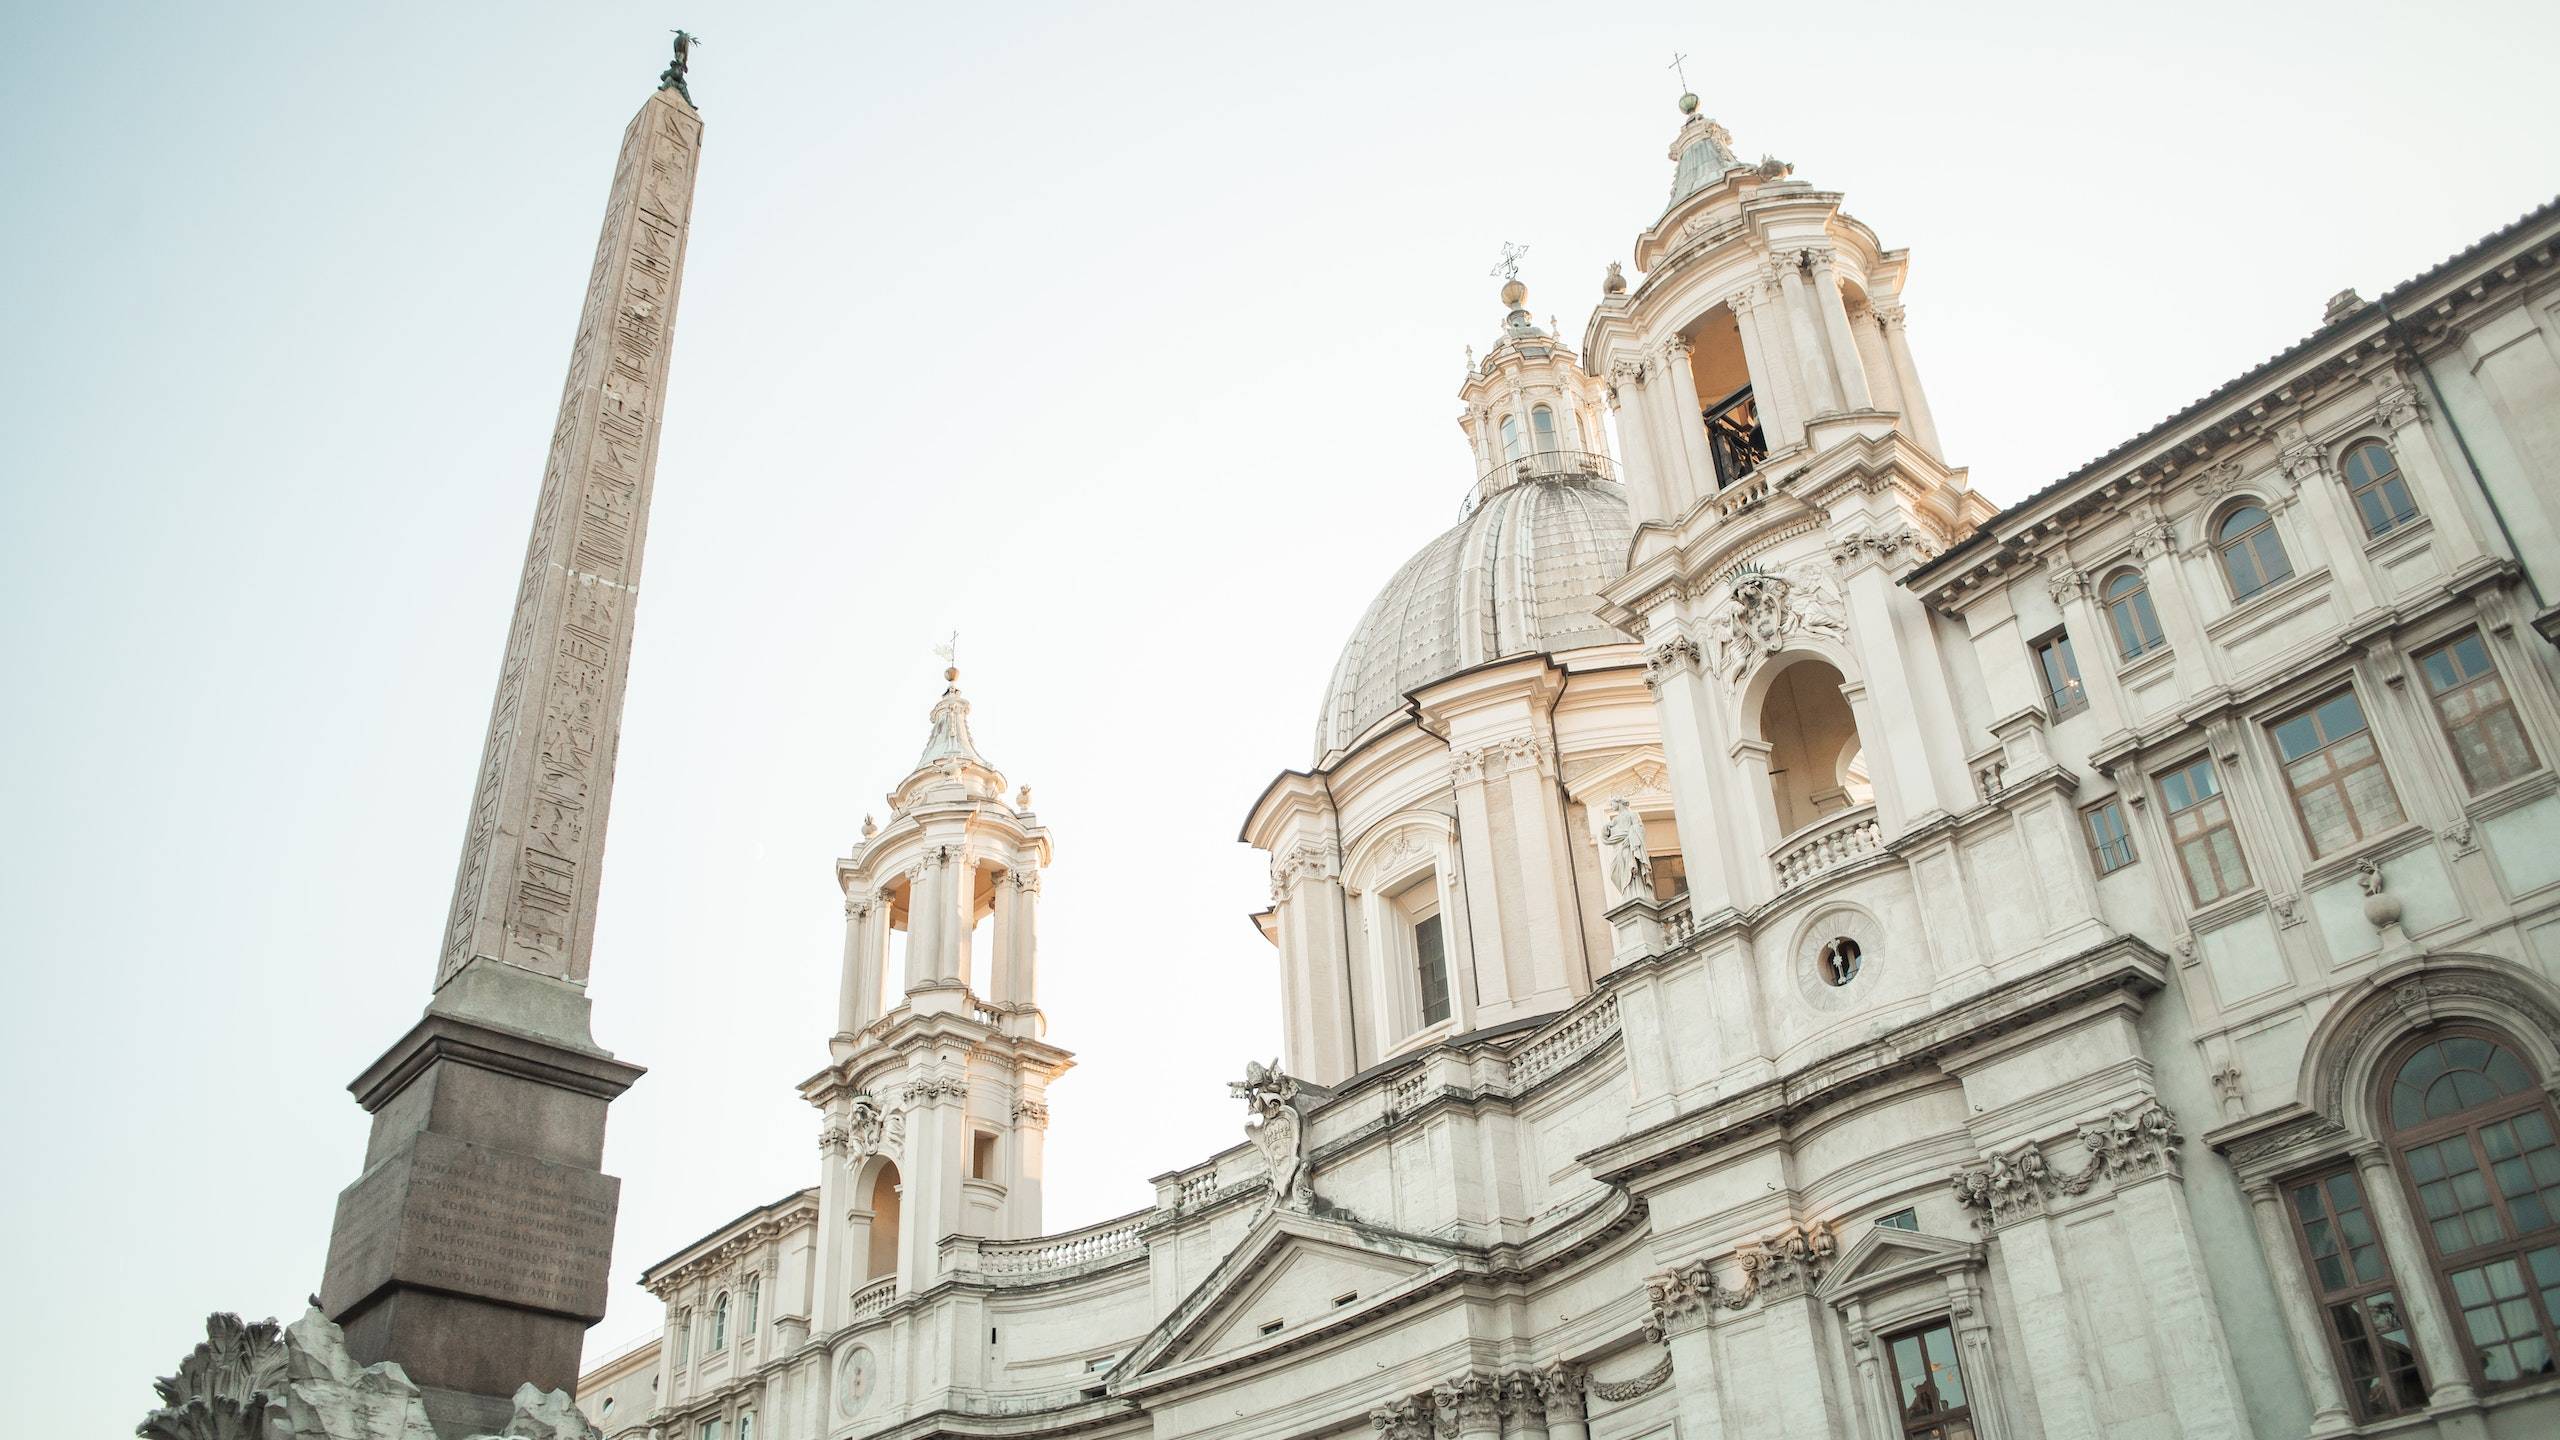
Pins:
x: 1771, y: 943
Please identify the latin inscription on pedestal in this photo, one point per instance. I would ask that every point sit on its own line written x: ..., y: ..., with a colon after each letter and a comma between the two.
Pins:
x: 468, y: 1220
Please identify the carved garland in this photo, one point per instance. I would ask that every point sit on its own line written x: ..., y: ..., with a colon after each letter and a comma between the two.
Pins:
x: 2130, y: 1141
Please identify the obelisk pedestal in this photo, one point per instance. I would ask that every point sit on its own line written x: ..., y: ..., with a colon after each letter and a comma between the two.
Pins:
x: 475, y: 1248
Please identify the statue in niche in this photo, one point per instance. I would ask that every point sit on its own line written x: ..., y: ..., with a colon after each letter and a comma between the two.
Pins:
x: 1630, y: 867
x: 1276, y: 1129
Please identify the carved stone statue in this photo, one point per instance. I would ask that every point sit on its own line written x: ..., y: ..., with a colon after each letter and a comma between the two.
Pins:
x: 1630, y: 867
x: 864, y: 1125
x: 1276, y: 1129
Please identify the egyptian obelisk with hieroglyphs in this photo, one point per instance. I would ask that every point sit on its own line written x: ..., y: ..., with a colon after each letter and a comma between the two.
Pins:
x: 474, y: 1248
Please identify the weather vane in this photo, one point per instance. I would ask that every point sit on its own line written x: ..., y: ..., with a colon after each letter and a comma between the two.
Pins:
x: 1508, y: 267
x: 949, y: 650
x: 1676, y: 67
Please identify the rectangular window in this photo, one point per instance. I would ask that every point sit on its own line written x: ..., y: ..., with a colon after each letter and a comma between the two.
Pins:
x: 1431, y: 966
x: 713, y: 1429
x: 2360, y: 1309
x: 2479, y: 719
x: 1928, y: 1384
x: 2110, y: 844
x: 2335, y: 770
x: 2060, y: 673
x: 1902, y: 1219
x: 2200, y: 827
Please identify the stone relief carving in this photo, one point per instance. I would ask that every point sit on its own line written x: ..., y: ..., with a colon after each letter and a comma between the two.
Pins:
x: 264, y: 1382
x: 1405, y: 1419
x: 2221, y: 480
x: 224, y: 1387
x: 2297, y: 454
x: 1637, y: 1388
x: 1886, y: 546
x: 1277, y: 1130
x: 2153, y: 539
x: 1664, y: 659
x: 926, y: 1089
x: 2394, y: 403
x: 1767, y: 609
x: 1786, y: 1261
x: 1306, y: 860
x: 1031, y: 1112
x: 2130, y: 1141
x: 1630, y: 868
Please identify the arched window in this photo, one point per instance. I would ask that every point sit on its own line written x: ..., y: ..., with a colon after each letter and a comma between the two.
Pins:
x: 1542, y: 422
x: 1510, y: 437
x: 2137, y: 625
x: 2474, y: 1137
x: 2252, y: 556
x: 2381, y: 495
x: 755, y: 1302
x: 720, y: 1323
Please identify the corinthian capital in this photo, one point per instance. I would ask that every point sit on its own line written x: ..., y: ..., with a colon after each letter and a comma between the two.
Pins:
x: 1888, y: 315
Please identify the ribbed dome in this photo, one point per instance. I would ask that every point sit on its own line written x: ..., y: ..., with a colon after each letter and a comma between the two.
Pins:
x: 1519, y: 576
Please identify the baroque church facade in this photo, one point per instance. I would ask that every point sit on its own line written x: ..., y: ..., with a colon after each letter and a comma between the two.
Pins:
x: 1771, y: 943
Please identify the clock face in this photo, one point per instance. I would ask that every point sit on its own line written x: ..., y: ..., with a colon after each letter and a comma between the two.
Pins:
x: 857, y: 1382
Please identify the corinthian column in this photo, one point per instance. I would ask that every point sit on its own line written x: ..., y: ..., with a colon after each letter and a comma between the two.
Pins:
x: 1691, y: 423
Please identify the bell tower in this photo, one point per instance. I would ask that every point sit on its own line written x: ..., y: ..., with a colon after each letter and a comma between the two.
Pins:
x: 1786, y: 472
x: 935, y: 1095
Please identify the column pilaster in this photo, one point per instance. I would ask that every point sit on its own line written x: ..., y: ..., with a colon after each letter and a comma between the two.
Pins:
x: 2303, y: 1323
x: 2440, y: 1347
x: 1916, y: 416
x: 1813, y: 353
x: 1644, y: 476
x: 1833, y: 306
x: 1690, y: 420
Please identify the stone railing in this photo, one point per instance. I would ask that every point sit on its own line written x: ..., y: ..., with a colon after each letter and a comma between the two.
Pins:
x: 1577, y: 1034
x: 1057, y: 1254
x: 873, y: 1300
x: 1832, y: 842
x: 1744, y: 493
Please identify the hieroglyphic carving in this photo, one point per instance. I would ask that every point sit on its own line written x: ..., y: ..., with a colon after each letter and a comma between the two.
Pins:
x: 525, y: 891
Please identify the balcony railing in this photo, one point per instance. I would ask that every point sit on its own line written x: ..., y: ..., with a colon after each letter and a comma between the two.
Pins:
x: 1734, y: 438
x: 1539, y: 465
x: 1826, y: 845
x: 1051, y: 1254
x: 873, y: 1300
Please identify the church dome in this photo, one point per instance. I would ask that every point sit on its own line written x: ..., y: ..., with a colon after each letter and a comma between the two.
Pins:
x: 1520, y: 575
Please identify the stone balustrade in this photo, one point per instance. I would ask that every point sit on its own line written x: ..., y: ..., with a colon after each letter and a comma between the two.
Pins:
x: 1833, y: 842
x: 1575, y: 1034
x: 873, y: 1300
x: 1057, y: 1254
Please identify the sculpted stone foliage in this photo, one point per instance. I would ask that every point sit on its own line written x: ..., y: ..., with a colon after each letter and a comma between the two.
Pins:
x: 1479, y: 1401
x: 223, y: 1388
x: 2132, y: 1140
x: 259, y: 1382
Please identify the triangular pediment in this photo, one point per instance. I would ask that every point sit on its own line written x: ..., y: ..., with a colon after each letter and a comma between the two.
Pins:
x: 1292, y: 1275
x: 1891, y: 1256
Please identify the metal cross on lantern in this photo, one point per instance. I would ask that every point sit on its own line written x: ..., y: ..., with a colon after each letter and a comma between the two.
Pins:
x: 1508, y: 267
x: 1677, y: 68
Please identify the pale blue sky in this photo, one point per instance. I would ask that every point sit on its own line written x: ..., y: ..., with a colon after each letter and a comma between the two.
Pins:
x: 1123, y: 339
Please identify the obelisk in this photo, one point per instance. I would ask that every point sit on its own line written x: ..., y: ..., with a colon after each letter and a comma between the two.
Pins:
x: 474, y: 1248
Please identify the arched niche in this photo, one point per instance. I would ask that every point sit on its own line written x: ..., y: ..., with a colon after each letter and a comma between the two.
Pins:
x: 1798, y: 706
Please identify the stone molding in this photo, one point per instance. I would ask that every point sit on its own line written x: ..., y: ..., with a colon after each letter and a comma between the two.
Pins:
x: 2012, y: 1184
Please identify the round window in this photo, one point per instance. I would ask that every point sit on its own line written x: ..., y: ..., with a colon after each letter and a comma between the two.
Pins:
x: 1840, y: 960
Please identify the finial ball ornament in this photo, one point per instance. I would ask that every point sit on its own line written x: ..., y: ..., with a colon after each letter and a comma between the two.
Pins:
x: 1513, y: 292
x: 951, y: 672
x: 1688, y: 102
